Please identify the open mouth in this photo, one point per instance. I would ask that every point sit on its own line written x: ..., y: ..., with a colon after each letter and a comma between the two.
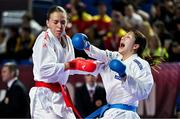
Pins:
x: 122, y: 45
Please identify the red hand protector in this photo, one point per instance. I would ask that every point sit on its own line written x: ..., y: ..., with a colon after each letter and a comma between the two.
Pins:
x: 82, y: 65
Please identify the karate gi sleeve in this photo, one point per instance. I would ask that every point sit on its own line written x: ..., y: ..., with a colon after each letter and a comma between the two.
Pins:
x: 101, y: 55
x: 139, y: 82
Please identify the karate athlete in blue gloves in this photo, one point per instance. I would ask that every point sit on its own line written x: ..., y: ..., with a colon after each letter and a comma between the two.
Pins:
x: 127, y: 77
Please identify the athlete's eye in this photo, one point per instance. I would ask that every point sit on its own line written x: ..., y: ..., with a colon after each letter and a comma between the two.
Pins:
x: 63, y: 22
x: 55, y: 22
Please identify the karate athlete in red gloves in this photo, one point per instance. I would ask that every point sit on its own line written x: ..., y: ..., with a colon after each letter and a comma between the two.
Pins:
x: 126, y: 76
x: 53, y: 59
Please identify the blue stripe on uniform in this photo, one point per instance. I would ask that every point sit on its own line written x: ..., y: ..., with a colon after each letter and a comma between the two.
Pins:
x: 139, y: 64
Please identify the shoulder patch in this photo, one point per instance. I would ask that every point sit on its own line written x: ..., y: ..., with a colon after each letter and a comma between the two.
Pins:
x: 46, y: 36
x: 138, y: 63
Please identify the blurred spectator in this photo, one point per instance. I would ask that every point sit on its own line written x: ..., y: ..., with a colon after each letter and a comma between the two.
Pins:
x: 145, y: 5
x: 145, y: 16
x: 119, y: 5
x: 73, y: 16
x: 95, y: 38
x: 147, y: 29
x: 71, y: 7
x: 177, y: 11
x: 28, y: 21
x: 113, y: 37
x: 155, y: 12
x: 25, y: 43
x: 132, y: 17
x: 102, y: 21
x: 163, y: 34
x: 89, y: 96
x: 11, y: 43
x: 16, y: 101
x: 82, y: 20
x: 155, y: 50
x: 167, y: 12
x: 172, y: 27
x: 154, y: 47
x: 174, y: 49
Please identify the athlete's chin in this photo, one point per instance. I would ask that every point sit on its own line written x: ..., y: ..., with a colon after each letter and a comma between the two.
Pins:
x: 120, y: 50
x: 58, y: 35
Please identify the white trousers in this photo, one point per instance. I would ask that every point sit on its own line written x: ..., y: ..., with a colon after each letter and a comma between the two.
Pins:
x: 46, y: 104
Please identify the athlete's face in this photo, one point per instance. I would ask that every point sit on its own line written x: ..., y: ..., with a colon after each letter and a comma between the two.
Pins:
x: 57, y: 23
x: 127, y: 44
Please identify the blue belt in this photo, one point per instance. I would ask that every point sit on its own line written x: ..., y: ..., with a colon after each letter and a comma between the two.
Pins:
x: 99, y: 112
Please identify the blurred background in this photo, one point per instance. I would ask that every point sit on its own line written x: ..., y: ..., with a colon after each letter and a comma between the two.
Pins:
x: 104, y: 22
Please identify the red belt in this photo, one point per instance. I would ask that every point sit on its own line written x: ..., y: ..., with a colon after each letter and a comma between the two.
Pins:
x: 56, y: 87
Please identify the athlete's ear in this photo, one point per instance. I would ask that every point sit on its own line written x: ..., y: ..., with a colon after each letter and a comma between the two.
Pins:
x: 136, y: 46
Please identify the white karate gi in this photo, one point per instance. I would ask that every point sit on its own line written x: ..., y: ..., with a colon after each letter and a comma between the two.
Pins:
x: 48, y: 59
x: 137, y: 86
